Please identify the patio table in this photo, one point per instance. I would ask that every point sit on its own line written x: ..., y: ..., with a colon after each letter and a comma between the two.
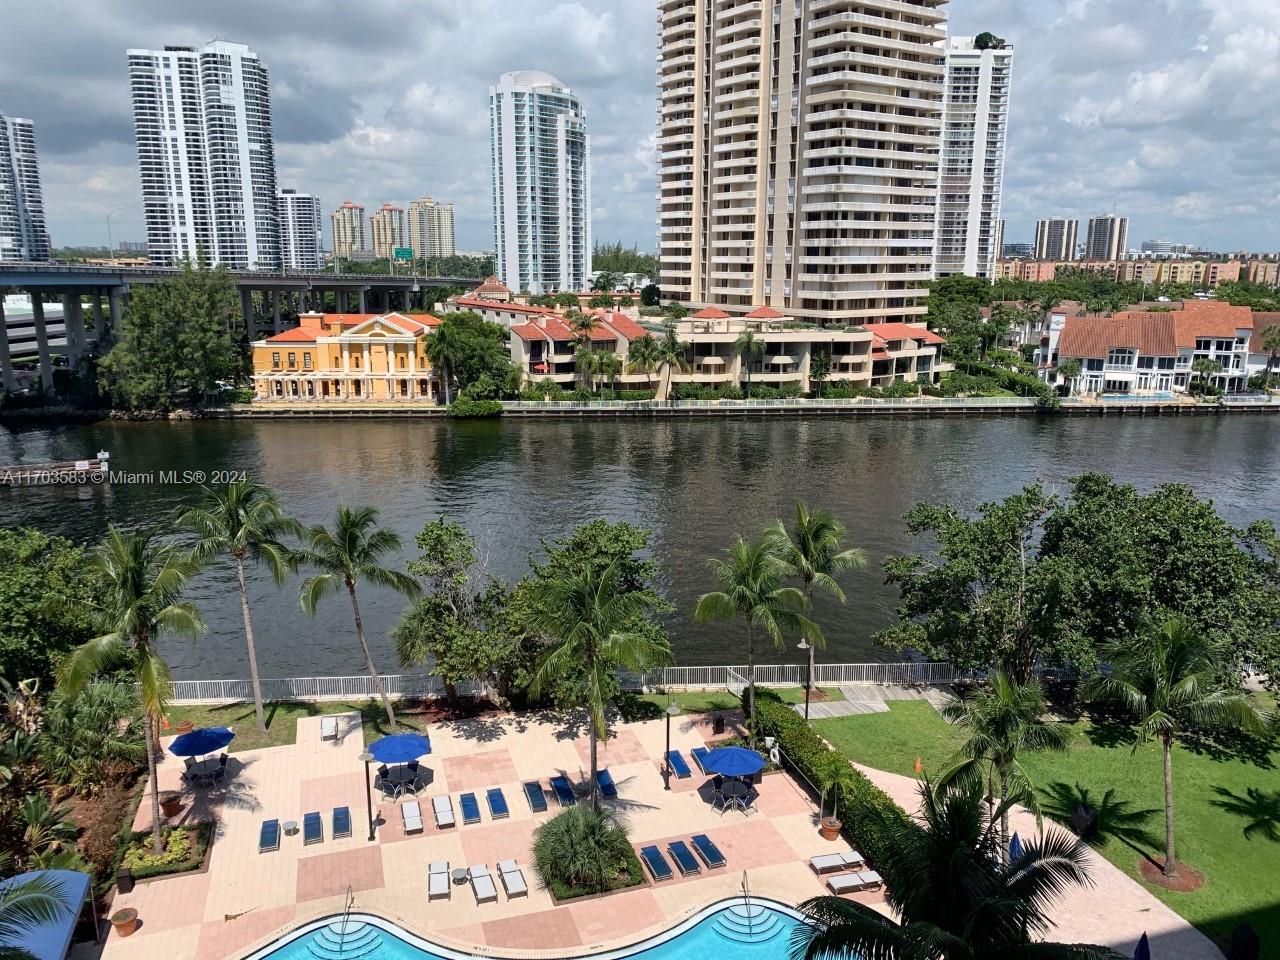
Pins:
x: 735, y: 792
x: 401, y: 780
x: 460, y: 874
x: 202, y: 773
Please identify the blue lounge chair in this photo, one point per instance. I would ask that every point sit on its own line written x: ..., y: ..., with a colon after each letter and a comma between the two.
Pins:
x: 312, y: 828
x: 678, y: 766
x: 564, y: 792
x: 659, y: 869
x: 708, y: 851
x: 699, y: 754
x: 498, y: 803
x: 269, y: 836
x: 537, y: 798
x: 470, y: 808
x: 608, y: 789
x: 341, y: 822
x: 683, y: 857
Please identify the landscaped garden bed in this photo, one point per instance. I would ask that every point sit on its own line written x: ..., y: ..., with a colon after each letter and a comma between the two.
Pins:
x: 185, y: 848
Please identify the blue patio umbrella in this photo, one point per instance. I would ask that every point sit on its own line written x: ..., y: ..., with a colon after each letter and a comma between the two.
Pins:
x: 199, y: 742
x: 1015, y: 846
x: 1144, y: 949
x: 733, y: 762
x: 400, y: 748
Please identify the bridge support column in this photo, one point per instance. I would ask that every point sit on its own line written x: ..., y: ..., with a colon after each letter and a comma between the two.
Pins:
x: 73, y: 327
x: 246, y: 312
x: 99, y: 323
x: 7, y: 379
x: 113, y: 304
x: 364, y: 304
x: 42, y: 342
x: 275, y: 311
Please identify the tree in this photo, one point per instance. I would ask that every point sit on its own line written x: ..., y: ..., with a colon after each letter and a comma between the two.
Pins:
x: 176, y: 340
x: 752, y: 349
x: 1166, y: 678
x: 455, y: 625
x: 244, y: 519
x: 581, y: 850
x: 609, y: 365
x: 444, y: 348
x: 588, y: 616
x: 1206, y: 369
x: 1271, y: 344
x: 952, y: 896
x: 616, y: 258
x: 1070, y: 370
x: 466, y: 347
x: 751, y: 588
x: 650, y: 295
x: 820, y: 369
x: 961, y: 324
x: 602, y: 300
x: 586, y: 363
x: 567, y: 300
x: 24, y: 906
x: 674, y: 311
x: 140, y: 597
x: 606, y: 281
x: 643, y: 355
x: 352, y: 552
x: 988, y: 41
x: 672, y: 355
x: 812, y: 551
x: 1003, y: 719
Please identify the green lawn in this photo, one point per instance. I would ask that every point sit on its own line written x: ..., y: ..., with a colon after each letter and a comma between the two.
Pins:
x: 282, y: 720
x: 706, y: 701
x: 1219, y: 793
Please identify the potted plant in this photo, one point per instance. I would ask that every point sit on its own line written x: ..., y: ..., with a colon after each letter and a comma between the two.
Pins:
x: 125, y: 921
x: 184, y: 726
x: 833, y: 773
x: 170, y: 804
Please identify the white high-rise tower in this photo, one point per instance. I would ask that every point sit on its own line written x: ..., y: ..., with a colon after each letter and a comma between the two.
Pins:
x: 431, y: 228
x: 972, y: 167
x: 23, y: 234
x: 301, y: 230
x: 541, y: 158
x: 202, y: 118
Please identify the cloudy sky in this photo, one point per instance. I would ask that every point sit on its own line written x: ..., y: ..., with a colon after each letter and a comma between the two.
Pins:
x: 1164, y: 110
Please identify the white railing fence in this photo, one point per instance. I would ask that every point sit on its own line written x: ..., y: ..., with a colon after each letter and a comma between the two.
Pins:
x: 426, y: 686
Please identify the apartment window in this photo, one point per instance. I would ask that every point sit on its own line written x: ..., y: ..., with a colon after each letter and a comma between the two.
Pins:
x: 1119, y: 357
x: 293, y: 360
x: 306, y: 361
x: 275, y: 361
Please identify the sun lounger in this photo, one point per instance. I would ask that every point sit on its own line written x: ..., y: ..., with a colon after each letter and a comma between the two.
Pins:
x: 512, y: 879
x: 438, y: 880
x: 853, y: 882
x: 678, y: 766
x: 708, y: 851
x: 312, y: 828
x: 829, y: 862
x: 341, y: 822
x: 482, y: 884
x: 470, y: 808
x: 269, y: 836
x: 683, y: 857
x: 328, y: 728
x: 659, y: 869
x: 412, y: 815
x: 564, y: 792
x: 698, y: 754
x: 537, y: 798
x: 608, y: 789
x: 443, y: 807
x: 498, y: 803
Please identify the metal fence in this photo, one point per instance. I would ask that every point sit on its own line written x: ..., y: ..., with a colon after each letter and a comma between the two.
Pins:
x: 569, y: 406
x: 425, y: 686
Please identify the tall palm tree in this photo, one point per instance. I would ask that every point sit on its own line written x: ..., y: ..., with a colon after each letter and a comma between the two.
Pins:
x: 445, y: 348
x: 1003, y: 719
x: 752, y: 349
x: 751, y: 588
x: 23, y: 906
x: 1166, y: 679
x: 811, y: 551
x: 643, y: 355
x: 582, y: 324
x: 591, y: 621
x: 349, y: 553
x: 245, y: 520
x: 672, y: 355
x: 140, y: 597
x: 1070, y: 370
x: 1206, y: 369
x: 951, y: 896
x: 586, y: 363
x: 1271, y: 344
x: 609, y: 366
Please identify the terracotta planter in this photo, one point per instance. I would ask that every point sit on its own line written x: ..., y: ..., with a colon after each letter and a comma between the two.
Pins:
x: 171, y: 805
x: 184, y: 726
x: 125, y: 921
x: 829, y: 828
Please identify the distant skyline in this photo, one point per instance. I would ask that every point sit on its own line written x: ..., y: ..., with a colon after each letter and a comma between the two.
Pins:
x: 1156, y: 112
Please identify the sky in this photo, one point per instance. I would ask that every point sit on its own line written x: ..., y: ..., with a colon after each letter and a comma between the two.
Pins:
x: 1163, y: 110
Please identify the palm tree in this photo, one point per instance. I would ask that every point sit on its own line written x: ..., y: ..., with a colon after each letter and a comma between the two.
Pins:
x: 352, y: 552
x: 1206, y: 369
x: 1271, y: 344
x: 643, y: 355
x: 1003, y: 720
x: 582, y: 324
x: 591, y: 621
x: 811, y: 551
x: 751, y: 588
x: 609, y: 366
x: 672, y: 355
x: 820, y: 369
x: 951, y: 896
x: 752, y: 349
x: 24, y: 906
x: 244, y: 519
x: 445, y: 349
x: 1166, y: 679
x: 1070, y: 370
x: 586, y: 363
x: 140, y: 597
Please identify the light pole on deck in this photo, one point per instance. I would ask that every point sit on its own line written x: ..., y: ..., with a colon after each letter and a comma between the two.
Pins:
x: 367, y: 757
x: 673, y: 710
x: 803, y: 647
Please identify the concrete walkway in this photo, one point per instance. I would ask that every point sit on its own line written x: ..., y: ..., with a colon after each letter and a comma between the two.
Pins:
x: 860, y: 698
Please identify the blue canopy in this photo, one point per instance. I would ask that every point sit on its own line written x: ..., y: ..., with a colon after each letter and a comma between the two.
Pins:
x: 49, y: 941
x: 1144, y: 949
x: 733, y: 762
x: 400, y: 748
x: 202, y: 741
x: 1015, y: 846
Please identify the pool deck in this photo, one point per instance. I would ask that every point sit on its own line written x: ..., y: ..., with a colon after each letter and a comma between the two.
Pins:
x: 244, y: 899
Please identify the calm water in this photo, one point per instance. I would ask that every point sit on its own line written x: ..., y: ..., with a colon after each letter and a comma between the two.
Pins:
x: 696, y: 484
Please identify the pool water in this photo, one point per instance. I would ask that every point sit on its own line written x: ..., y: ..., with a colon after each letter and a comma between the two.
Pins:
x: 754, y: 931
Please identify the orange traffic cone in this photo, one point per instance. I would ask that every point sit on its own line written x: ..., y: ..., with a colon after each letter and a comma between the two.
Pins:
x: 919, y: 766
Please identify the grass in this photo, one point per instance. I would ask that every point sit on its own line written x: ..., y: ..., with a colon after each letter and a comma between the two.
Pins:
x: 709, y: 700
x: 1221, y: 790
x: 282, y: 720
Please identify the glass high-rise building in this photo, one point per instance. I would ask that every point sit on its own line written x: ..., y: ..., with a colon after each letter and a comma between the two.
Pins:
x: 23, y: 233
x: 301, y: 230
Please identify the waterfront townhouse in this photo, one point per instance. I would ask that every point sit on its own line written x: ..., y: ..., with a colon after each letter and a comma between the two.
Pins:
x: 347, y: 356
x: 545, y: 347
x: 1259, y: 354
x: 500, y: 312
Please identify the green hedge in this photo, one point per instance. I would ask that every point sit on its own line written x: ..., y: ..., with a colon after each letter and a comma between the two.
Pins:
x: 1022, y: 384
x: 466, y: 407
x: 635, y: 877
x: 803, y: 749
x: 184, y: 850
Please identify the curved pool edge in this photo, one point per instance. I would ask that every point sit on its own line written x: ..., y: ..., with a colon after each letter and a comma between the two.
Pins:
x: 451, y: 949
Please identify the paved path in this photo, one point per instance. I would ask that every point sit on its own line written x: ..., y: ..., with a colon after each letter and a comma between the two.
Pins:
x: 860, y: 698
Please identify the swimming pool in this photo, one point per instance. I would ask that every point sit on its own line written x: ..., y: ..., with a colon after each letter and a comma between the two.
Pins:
x: 1136, y: 397
x: 760, y: 930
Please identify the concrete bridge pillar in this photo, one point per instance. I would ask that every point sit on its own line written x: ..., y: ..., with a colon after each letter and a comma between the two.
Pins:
x: 275, y: 311
x: 42, y: 342
x: 246, y: 311
x: 364, y: 303
x: 99, y: 323
x: 7, y: 379
x: 114, y: 308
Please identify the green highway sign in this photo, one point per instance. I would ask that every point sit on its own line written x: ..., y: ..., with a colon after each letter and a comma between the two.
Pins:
x: 403, y: 253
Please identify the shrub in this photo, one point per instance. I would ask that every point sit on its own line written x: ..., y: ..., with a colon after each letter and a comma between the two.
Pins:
x: 99, y: 821
x: 581, y: 395
x: 184, y: 850
x: 239, y: 395
x: 466, y: 407
x: 582, y: 852
x: 542, y: 390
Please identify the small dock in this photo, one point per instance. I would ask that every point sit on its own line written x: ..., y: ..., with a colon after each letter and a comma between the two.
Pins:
x: 93, y: 471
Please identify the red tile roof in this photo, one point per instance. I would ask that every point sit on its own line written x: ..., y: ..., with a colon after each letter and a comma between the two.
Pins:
x: 625, y: 327
x: 1197, y: 318
x: 298, y: 335
x: 552, y: 328
x: 904, y: 331
x: 349, y: 321
x: 764, y: 313
x: 493, y: 285
x: 1151, y: 334
x: 710, y: 313
x: 1261, y: 323
x: 479, y: 303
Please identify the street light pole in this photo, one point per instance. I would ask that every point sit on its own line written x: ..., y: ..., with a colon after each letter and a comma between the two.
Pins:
x: 673, y: 710
x: 367, y: 757
x: 109, y: 241
x: 803, y: 647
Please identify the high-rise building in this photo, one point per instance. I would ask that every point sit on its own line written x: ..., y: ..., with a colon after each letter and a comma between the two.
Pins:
x: 541, y: 157
x: 972, y: 166
x: 798, y: 155
x: 206, y: 155
x: 301, y: 233
x: 1108, y: 237
x: 347, y: 223
x: 1056, y: 238
x: 386, y: 227
x: 431, y: 228
x: 23, y: 234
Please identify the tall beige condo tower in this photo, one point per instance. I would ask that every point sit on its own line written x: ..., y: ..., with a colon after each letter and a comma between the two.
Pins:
x: 431, y: 228
x: 798, y: 154
x: 348, y: 229
x: 387, y: 228
x: 1108, y: 237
